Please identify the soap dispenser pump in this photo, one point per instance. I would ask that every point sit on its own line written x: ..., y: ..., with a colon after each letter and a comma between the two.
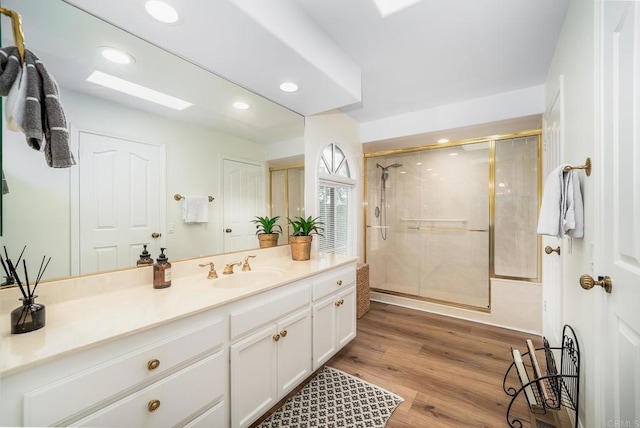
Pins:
x: 162, y: 271
x: 145, y: 258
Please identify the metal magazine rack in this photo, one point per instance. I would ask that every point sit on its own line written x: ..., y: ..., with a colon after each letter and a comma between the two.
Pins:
x: 551, y: 389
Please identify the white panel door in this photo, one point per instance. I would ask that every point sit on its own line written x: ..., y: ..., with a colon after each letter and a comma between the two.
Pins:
x: 551, y: 263
x: 244, y: 199
x: 620, y: 202
x: 120, y: 201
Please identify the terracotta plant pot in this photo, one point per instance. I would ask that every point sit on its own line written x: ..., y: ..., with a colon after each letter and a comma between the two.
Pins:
x: 301, y: 247
x: 268, y: 240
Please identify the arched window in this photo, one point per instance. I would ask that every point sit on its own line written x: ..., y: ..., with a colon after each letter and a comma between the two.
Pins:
x: 337, y: 205
x: 334, y: 162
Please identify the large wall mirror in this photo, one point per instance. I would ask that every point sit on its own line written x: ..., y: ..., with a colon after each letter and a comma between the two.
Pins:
x: 134, y: 156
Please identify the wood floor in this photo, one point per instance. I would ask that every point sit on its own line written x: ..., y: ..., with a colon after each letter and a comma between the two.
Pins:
x: 448, y: 371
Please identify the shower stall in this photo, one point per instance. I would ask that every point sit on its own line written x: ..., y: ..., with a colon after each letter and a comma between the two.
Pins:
x: 442, y: 220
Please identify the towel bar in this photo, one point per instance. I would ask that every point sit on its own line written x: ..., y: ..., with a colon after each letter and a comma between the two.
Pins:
x: 178, y: 196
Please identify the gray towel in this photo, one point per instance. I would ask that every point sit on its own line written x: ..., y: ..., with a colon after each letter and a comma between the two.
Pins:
x: 44, y: 115
x: 5, y: 186
x: 9, y: 68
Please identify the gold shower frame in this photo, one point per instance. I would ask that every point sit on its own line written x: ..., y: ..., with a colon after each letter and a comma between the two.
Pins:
x: 286, y: 169
x: 492, y: 139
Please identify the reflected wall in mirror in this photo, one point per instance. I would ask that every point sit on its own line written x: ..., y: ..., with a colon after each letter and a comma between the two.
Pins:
x: 287, y: 196
x: 132, y: 155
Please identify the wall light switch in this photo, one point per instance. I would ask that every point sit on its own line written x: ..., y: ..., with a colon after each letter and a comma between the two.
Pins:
x: 171, y: 227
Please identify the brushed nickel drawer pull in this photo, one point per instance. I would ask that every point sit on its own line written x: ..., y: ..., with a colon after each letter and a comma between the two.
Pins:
x: 153, y: 364
x: 153, y: 405
x: 339, y: 282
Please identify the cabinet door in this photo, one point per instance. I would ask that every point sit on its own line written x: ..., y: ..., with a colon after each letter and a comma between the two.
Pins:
x: 254, y: 388
x: 294, y: 350
x: 324, y: 330
x: 346, y: 318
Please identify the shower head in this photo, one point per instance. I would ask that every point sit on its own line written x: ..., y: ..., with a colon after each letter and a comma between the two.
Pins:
x: 385, y: 168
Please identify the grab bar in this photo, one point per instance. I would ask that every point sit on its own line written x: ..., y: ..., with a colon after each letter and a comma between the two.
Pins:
x: 442, y: 220
x: 446, y: 229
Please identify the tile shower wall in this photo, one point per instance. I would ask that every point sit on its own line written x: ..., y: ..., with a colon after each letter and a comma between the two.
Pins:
x: 437, y: 242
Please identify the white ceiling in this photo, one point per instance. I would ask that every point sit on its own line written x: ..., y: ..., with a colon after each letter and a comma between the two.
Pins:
x: 345, y: 55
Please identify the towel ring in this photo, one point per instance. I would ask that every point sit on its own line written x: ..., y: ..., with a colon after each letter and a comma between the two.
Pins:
x: 586, y: 167
x: 178, y: 196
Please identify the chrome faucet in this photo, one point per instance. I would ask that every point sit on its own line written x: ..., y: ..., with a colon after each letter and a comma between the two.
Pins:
x: 228, y: 269
x: 245, y: 266
x: 212, y: 270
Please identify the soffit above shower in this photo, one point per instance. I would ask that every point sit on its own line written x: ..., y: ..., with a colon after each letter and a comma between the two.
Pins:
x: 476, y: 131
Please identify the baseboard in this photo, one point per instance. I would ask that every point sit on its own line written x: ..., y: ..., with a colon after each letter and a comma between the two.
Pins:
x: 411, y: 304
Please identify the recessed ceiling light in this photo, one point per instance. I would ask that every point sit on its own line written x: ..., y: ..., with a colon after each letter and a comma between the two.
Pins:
x: 161, y: 11
x: 130, y: 88
x: 116, y: 55
x: 288, y: 87
x: 453, y: 154
x: 443, y: 141
x: 241, y: 105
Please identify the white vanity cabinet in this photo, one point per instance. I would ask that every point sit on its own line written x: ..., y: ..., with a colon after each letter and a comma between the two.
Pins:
x: 275, y: 357
x: 334, y: 313
x: 223, y: 362
x: 138, y: 381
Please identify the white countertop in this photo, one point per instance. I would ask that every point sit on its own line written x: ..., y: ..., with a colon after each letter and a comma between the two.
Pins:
x: 103, y: 312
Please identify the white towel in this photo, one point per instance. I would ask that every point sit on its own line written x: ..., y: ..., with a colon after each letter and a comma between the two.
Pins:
x: 549, y: 218
x: 574, y: 216
x: 14, y: 106
x: 561, y: 212
x: 195, y: 209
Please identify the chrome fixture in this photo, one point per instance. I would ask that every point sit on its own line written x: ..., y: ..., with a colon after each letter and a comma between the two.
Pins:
x: 381, y: 211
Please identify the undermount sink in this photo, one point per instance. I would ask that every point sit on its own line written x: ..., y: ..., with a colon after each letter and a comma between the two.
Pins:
x: 257, y: 277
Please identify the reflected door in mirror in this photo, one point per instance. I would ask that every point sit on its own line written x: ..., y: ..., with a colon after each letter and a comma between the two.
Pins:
x: 120, y: 201
x: 244, y: 199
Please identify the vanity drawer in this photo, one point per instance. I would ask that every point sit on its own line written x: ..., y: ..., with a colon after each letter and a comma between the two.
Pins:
x: 325, y: 284
x: 176, y: 397
x: 267, y: 308
x: 44, y: 406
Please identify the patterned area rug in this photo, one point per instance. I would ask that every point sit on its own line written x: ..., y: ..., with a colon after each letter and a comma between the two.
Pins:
x: 335, y: 399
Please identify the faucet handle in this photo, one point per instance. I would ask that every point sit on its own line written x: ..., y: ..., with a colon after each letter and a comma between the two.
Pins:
x: 245, y: 266
x: 212, y: 270
x: 228, y: 269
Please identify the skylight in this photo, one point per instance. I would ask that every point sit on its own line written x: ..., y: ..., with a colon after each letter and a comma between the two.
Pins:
x: 130, y: 88
x: 388, y: 7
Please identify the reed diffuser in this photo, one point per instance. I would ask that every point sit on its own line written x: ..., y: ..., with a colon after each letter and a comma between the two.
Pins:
x: 31, y: 315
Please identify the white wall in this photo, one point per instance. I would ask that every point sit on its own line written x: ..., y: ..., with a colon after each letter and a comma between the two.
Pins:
x: 321, y: 130
x: 39, y: 196
x: 575, y: 60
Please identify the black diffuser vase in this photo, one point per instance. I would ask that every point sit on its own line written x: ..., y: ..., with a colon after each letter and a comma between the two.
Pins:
x: 29, y: 317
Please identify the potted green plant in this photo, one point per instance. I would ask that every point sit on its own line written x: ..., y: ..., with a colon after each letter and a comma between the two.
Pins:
x: 300, y: 239
x: 268, y: 231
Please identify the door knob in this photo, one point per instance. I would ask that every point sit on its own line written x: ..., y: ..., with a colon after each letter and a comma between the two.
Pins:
x: 587, y: 282
x: 156, y: 235
x: 228, y: 230
x: 550, y: 250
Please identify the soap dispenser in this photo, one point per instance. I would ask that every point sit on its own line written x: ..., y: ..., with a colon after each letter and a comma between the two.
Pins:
x: 162, y: 271
x: 145, y: 258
